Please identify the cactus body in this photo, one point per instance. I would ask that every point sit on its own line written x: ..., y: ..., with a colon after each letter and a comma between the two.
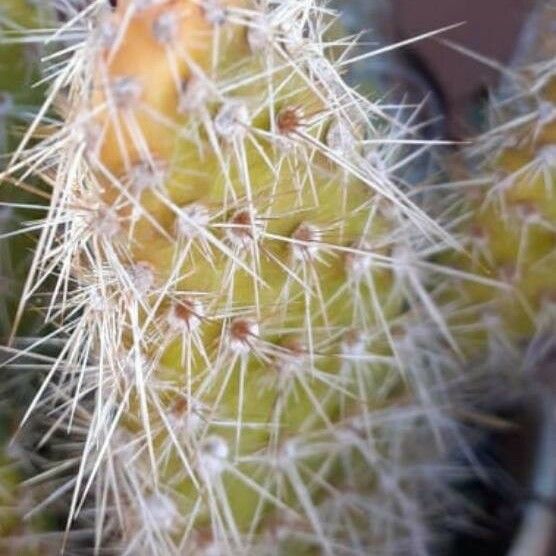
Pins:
x: 241, y: 286
x: 510, y: 230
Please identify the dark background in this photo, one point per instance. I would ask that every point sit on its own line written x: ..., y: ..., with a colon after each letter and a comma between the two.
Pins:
x: 490, y: 28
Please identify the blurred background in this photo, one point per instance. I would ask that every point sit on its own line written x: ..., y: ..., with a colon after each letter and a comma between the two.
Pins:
x: 512, y: 507
x: 492, y: 32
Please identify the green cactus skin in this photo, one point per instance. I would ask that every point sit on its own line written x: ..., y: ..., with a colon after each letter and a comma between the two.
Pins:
x: 252, y: 349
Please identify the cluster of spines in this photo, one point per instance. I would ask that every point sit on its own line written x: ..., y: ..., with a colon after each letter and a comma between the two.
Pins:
x: 156, y: 282
x: 251, y: 343
x: 507, y: 214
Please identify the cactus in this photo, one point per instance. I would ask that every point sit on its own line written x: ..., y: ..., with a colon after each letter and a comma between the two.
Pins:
x: 509, y: 208
x: 252, y: 348
x: 253, y: 319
